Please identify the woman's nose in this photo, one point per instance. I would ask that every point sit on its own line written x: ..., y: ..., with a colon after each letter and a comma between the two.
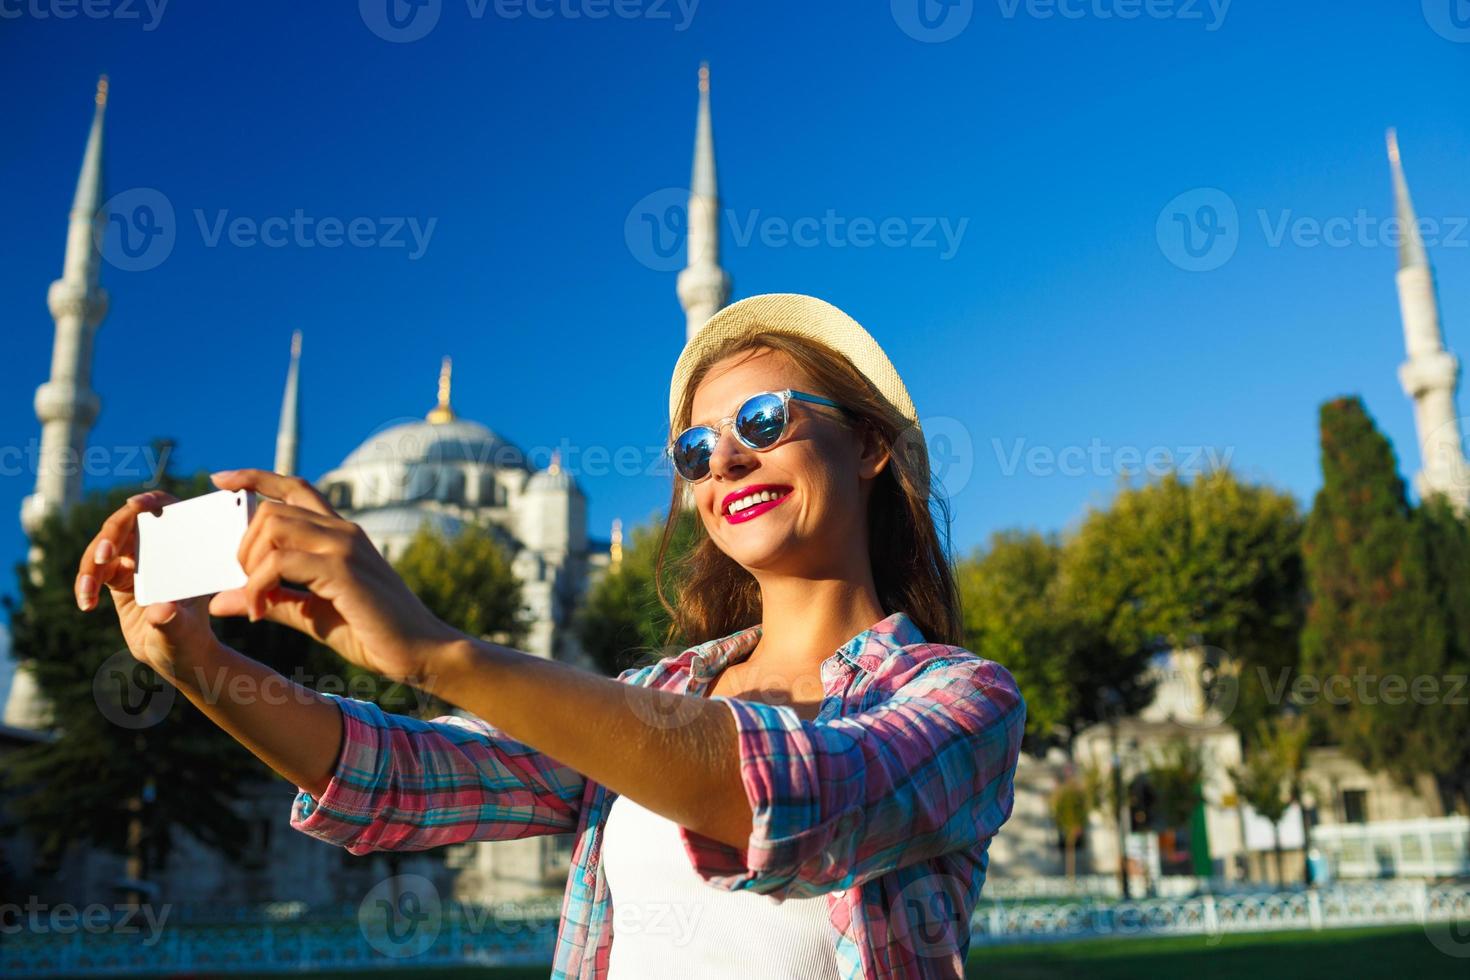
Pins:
x: 731, y: 457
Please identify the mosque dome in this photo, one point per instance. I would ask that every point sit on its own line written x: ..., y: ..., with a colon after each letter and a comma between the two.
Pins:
x: 454, y: 441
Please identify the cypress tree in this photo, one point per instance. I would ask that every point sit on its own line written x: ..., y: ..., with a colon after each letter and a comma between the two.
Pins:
x: 1374, y: 627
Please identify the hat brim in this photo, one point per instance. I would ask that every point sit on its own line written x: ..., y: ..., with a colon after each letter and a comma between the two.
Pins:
x: 804, y: 316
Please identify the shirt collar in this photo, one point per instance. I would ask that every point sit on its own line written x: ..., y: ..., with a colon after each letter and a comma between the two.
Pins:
x: 866, y: 651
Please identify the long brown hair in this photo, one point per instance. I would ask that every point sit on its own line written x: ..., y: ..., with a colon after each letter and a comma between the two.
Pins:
x: 912, y: 569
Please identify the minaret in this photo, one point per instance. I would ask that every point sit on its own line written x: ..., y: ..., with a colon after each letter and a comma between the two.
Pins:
x: 703, y: 286
x: 1431, y: 374
x: 442, y: 412
x: 288, y: 436
x: 66, y: 405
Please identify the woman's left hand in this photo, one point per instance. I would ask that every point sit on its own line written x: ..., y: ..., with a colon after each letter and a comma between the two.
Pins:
x: 356, y: 603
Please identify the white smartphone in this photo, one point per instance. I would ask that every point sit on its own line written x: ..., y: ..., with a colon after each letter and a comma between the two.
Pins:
x: 190, y: 547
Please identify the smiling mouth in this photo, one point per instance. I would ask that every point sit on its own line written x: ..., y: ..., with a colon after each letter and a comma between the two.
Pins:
x: 754, y: 510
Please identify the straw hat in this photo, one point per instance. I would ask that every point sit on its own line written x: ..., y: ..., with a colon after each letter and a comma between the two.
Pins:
x: 804, y: 316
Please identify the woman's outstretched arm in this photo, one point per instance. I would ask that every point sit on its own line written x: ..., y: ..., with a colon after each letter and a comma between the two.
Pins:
x: 676, y: 754
x: 370, y: 780
x: 291, y: 728
x: 299, y: 738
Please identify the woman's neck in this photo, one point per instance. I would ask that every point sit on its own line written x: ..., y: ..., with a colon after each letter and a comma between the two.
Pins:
x: 805, y: 621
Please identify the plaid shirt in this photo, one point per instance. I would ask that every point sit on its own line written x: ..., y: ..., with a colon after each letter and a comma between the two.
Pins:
x: 885, y: 803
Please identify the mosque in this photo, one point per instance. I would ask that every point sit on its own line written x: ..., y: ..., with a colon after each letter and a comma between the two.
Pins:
x: 449, y: 471
x: 443, y: 470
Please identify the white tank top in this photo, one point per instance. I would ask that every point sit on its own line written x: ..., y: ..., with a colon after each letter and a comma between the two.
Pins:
x: 669, y: 922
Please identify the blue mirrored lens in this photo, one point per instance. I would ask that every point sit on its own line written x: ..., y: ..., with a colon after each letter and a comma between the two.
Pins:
x: 692, y: 451
x: 761, y: 421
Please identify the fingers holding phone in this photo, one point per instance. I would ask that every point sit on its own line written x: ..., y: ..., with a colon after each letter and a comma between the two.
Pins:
x: 111, y: 557
x: 160, y: 633
x: 354, y: 601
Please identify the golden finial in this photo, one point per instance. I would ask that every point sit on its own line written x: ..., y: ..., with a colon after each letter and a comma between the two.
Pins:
x: 442, y: 412
x: 555, y: 466
x: 615, y: 553
x: 296, y: 343
x: 1393, y: 146
x: 102, y: 90
x: 704, y: 77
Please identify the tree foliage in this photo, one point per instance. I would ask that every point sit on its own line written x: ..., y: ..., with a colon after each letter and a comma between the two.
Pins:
x: 1376, y: 616
x: 1271, y: 778
x: 1014, y: 616
x: 621, y: 620
x: 467, y: 581
x: 1072, y: 802
x: 175, y: 771
x: 1213, y: 562
x: 1447, y: 543
x: 1175, y: 772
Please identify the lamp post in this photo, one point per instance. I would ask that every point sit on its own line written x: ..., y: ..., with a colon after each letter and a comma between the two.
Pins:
x: 1110, y: 707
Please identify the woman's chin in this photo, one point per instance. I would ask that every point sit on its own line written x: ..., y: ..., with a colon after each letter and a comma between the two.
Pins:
x: 761, y: 551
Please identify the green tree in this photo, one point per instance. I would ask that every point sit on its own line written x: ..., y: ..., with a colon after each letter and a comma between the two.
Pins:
x: 1211, y: 563
x: 1447, y: 541
x: 1374, y: 613
x: 1072, y: 802
x: 1271, y: 778
x: 132, y: 762
x: 467, y: 581
x: 1176, y: 773
x: 621, y: 620
x: 1014, y: 616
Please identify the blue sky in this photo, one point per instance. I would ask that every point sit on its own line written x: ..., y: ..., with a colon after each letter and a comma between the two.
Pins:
x: 1051, y: 332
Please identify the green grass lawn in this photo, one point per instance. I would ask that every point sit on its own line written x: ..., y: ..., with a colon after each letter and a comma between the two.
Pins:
x: 1332, y: 954
x: 1340, y: 954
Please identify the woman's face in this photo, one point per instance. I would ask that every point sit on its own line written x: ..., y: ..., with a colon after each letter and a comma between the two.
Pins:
x: 822, y: 467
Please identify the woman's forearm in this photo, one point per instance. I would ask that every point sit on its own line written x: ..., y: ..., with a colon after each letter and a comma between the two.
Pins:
x: 291, y: 728
x: 675, y: 754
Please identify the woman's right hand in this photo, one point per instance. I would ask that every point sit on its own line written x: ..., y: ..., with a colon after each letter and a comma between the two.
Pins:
x: 163, y: 635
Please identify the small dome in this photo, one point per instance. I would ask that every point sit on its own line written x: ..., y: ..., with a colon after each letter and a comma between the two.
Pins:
x: 456, y: 441
x: 554, y: 477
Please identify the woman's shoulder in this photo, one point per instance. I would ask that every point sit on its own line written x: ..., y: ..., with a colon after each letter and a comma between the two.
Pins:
x: 655, y: 670
x: 924, y: 664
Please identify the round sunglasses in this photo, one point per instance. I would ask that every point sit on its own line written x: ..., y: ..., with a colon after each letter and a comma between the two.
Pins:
x: 760, y: 422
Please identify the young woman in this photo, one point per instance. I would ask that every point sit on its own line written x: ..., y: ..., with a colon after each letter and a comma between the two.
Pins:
x: 809, y: 791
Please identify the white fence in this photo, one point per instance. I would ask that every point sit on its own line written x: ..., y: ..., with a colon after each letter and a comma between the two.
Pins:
x: 471, y: 936
x: 1431, y: 848
x: 1336, y: 907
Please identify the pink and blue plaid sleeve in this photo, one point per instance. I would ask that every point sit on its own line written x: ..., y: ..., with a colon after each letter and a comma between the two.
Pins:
x: 402, y: 784
x: 835, y: 803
